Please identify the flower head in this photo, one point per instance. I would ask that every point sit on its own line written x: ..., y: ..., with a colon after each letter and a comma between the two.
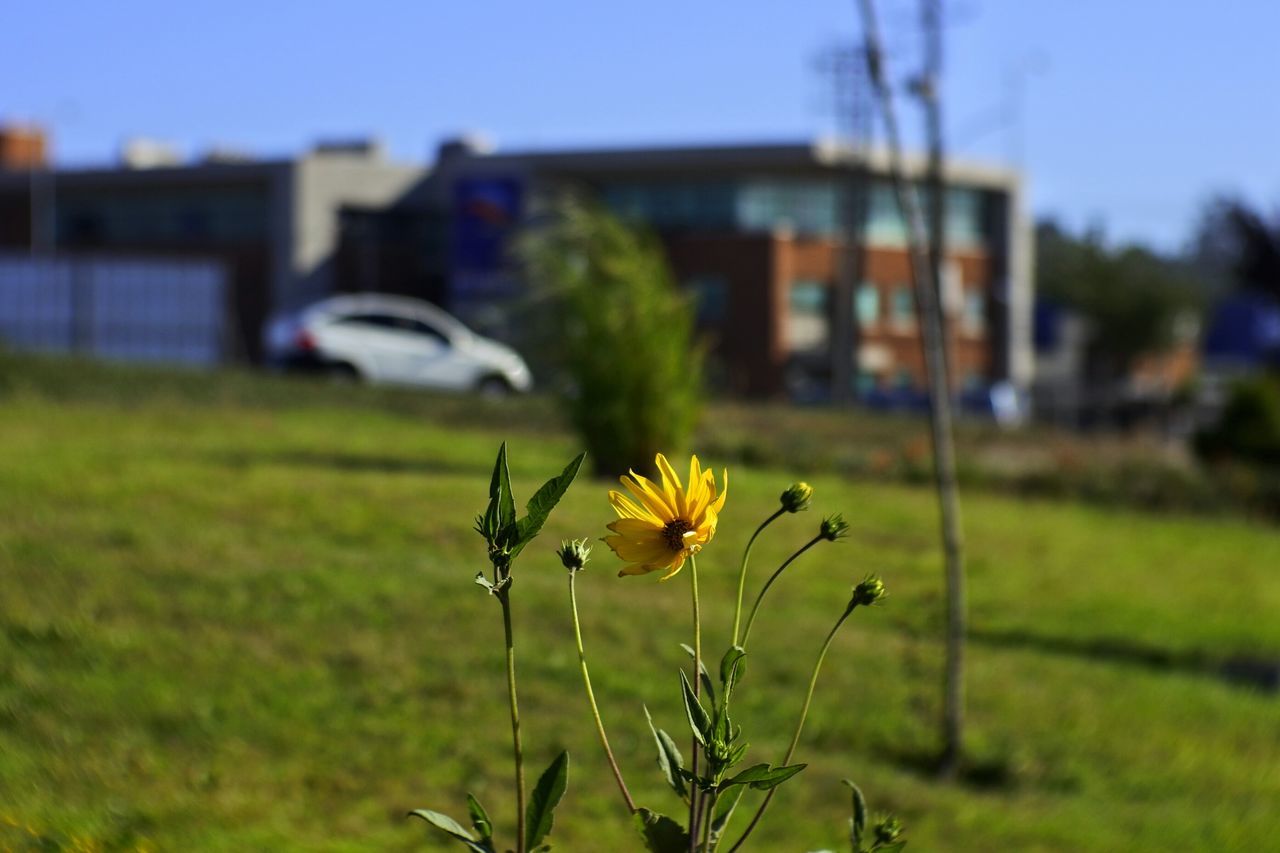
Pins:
x: 797, y: 496
x: 574, y: 554
x: 833, y: 527
x: 666, y: 522
x: 870, y: 591
x: 887, y: 830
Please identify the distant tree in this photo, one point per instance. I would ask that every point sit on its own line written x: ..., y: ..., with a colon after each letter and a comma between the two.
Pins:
x: 1130, y: 295
x: 621, y: 332
x: 1239, y: 246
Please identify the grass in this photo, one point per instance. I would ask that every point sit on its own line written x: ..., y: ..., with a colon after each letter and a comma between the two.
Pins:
x: 237, y: 613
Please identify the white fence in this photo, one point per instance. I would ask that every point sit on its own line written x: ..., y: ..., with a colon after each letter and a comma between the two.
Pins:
x: 143, y: 309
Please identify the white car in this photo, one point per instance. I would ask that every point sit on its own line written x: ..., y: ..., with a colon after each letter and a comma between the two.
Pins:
x: 393, y: 339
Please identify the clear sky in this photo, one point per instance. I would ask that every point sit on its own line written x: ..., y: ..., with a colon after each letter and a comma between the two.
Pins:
x: 1134, y: 111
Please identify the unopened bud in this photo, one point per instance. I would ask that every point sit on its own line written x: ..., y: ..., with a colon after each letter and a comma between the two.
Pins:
x: 833, y: 527
x: 574, y: 554
x: 797, y: 496
x: 887, y: 830
x: 868, y: 592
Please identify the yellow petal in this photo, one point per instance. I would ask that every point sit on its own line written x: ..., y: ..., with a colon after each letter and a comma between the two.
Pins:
x: 648, y: 494
x: 625, y: 507
x: 671, y: 486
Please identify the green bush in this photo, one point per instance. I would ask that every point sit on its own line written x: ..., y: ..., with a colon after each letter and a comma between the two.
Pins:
x: 1248, y: 429
x: 623, y: 335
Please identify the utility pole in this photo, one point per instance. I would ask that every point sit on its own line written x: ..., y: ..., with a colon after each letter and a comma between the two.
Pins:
x: 851, y: 88
x: 925, y: 278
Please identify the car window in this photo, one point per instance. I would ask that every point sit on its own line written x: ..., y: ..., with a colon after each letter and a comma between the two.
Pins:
x: 396, y: 323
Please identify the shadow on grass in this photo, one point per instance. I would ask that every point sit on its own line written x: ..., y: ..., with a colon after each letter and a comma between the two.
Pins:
x: 1243, y: 670
x: 350, y: 462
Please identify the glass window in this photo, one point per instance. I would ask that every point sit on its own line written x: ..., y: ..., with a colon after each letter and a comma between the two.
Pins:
x: 868, y: 304
x: 807, y: 326
x: 975, y: 311
x: 904, y: 309
x: 710, y: 299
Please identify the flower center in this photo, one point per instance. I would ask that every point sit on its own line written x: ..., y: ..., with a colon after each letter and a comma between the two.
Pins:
x: 673, y: 533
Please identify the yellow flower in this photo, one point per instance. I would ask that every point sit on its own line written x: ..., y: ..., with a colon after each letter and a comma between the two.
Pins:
x: 665, y: 523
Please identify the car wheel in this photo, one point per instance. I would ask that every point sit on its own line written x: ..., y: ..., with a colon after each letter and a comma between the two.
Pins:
x: 493, y: 388
x: 342, y: 374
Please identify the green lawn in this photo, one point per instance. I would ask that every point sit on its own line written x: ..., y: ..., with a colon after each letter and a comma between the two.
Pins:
x: 237, y: 614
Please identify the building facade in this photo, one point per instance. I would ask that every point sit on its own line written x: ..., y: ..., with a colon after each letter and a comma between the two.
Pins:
x: 761, y: 236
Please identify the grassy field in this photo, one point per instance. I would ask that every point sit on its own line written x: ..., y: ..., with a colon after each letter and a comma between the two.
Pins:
x: 237, y: 614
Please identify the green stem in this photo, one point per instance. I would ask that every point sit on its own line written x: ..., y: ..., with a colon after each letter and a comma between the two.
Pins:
x: 804, y: 714
x: 591, y: 697
x: 742, y: 571
x: 708, y: 818
x: 759, y: 598
x: 516, y: 747
x: 694, y: 795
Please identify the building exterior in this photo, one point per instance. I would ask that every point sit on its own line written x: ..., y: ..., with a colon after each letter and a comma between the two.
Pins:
x: 761, y: 235
x: 758, y: 234
x: 276, y: 225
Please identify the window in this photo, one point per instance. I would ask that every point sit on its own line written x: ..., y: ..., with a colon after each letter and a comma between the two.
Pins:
x: 395, y: 323
x: 975, y: 312
x: 710, y: 298
x: 867, y: 306
x: 807, y: 327
x: 903, y: 312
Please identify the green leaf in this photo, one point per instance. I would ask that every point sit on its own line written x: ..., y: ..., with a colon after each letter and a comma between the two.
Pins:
x: 858, y: 823
x: 724, y: 811
x: 669, y: 759
x: 702, y: 673
x: 479, y: 818
x: 698, y: 719
x: 540, y: 813
x: 762, y: 777
x: 732, y: 667
x: 500, y: 515
x: 448, y: 825
x: 543, y: 501
x: 661, y: 834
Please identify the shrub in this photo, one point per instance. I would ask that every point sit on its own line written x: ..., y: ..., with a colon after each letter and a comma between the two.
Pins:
x: 1248, y: 429
x: 623, y: 334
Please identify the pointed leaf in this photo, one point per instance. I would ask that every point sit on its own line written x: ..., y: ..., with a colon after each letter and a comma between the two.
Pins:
x: 540, y: 813
x: 732, y: 666
x: 858, y: 823
x: 543, y: 501
x: 479, y: 818
x: 669, y: 759
x: 506, y: 500
x: 448, y: 825
x: 762, y: 777
x: 661, y: 834
x: 723, y: 813
x: 703, y: 675
x: 698, y: 719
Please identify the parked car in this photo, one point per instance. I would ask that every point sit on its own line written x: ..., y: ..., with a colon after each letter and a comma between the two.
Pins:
x: 392, y: 339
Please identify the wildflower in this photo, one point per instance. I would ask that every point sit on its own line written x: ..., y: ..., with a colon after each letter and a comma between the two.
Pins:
x: 869, y: 591
x: 833, y: 527
x: 574, y: 554
x: 887, y: 830
x: 666, y: 523
x: 797, y: 496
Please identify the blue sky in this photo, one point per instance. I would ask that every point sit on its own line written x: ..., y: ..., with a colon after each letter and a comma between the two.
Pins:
x: 1134, y: 111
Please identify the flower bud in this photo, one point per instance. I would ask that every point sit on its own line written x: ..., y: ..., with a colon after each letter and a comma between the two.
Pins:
x: 797, y: 496
x: 887, y: 830
x: 868, y: 592
x: 574, y: 554
x: 833, y: 527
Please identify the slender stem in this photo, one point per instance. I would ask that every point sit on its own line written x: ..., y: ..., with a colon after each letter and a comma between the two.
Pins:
x: 759, y: 598
x: 742, y: 571
x: 591, y: 697
x: 695, y: 798
x: 707, y: 819
x: 516, y: 747
x: 795, y: 739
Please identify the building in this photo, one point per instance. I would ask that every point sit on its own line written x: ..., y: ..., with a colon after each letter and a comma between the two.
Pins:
x: 758, y: 234
x: 283, y: 228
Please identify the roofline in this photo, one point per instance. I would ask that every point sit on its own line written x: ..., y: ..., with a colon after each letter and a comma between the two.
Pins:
x: 822, y: 153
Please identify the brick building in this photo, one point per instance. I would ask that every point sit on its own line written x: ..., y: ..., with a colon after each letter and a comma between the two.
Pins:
x: 758, y: 234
